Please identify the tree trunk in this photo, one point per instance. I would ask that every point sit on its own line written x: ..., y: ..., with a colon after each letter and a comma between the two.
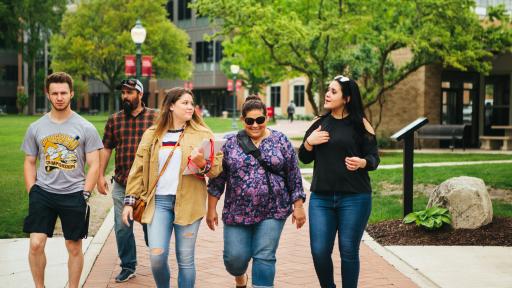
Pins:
x: 311, y: 96
x: 111, y: 98
x: 32, y: 85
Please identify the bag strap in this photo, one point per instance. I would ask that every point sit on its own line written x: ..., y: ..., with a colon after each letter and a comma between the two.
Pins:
x: 166, y: 162
x: 249, y: 148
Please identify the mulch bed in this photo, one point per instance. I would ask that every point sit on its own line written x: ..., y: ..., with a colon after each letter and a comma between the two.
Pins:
x: 394, y: 232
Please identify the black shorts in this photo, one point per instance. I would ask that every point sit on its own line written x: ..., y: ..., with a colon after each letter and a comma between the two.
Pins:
x: 44, y: 207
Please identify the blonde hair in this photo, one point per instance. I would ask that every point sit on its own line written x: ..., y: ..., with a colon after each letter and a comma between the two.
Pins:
x: 164, y: 121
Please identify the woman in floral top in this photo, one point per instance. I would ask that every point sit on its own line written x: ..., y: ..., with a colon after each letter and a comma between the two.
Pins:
x: 257, y: 201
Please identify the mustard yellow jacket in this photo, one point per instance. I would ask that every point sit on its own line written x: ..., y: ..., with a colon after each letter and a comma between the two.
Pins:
x: 191, y: 192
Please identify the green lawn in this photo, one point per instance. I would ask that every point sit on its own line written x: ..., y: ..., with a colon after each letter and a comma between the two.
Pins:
x: 387, y: 207
x: 13, y: 194
x: 397, y: 158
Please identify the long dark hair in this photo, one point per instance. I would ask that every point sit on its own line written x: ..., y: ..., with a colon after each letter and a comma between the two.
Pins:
x: 354, y: 106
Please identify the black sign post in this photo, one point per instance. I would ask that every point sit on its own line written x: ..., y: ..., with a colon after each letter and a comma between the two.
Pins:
x: 407, y: 134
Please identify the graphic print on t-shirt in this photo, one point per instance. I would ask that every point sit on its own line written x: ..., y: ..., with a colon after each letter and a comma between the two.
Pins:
x: 60, y: 152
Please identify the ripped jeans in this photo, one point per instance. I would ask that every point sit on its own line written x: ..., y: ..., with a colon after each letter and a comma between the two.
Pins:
x: 159, y: 232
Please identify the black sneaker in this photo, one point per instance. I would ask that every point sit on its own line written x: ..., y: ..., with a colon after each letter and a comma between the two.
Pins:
x: 125, y: 275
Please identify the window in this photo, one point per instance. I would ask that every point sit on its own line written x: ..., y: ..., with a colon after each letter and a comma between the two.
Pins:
x: 184, y: 12
x: 9, y: 73
x: 275, y: 96
x: 298, y: 95
x: 170, y: 10
x: 205, y: 53
x: 218, y: 51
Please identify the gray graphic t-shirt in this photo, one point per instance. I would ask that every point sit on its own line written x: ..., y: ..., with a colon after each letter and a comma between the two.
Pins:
x: 61, y: 149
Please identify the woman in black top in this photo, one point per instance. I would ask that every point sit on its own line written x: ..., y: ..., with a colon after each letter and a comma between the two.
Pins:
x: 343, y: 145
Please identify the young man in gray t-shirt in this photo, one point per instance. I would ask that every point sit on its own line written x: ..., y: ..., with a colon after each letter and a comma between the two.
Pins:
x: 63, y: 142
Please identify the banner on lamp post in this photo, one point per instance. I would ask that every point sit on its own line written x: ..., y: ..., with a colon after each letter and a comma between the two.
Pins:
x: 188, y: 85
x: 230, y: 85
x: 147, y: 66
x: 129, y: 65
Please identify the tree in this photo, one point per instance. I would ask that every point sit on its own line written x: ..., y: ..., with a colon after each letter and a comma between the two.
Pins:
x: 298, y: 37
x: 258, y: 69
x: 320, y: 39
x: 37, y: 19
x: 95, y: 38
x: 435, y: 32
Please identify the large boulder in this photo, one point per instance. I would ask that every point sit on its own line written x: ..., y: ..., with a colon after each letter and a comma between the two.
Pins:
x: 467, y: 200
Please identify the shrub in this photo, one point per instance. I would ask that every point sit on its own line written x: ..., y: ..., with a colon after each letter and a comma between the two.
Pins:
x: 430, y: 218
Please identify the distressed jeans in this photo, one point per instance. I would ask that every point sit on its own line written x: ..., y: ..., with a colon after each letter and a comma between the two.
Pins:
x: 159, y: 231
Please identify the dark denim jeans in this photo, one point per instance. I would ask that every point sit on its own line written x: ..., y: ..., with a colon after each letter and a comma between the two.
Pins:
x: 124, y: 234
x: 346, y: 215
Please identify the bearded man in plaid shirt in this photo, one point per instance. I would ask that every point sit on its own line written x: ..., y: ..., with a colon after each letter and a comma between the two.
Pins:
x: 123, y: 132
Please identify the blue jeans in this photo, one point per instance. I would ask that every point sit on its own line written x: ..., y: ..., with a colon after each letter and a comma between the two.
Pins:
x: 259, y: 242
x: 159, y: 231
x: 346, y: 215
x: 124, y: 234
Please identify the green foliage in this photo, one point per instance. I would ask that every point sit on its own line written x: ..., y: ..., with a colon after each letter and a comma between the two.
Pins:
x: 21, y: 101
x: 431, y: 218
x: 319, y: 39
x: 95, y: 39
x: 277, y: 39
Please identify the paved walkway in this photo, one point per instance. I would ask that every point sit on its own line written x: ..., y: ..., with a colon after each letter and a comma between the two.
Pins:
x: 294, y: 263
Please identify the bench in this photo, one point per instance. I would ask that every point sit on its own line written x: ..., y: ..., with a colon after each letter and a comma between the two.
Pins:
x: 488, y: 140
x: 443, y: 132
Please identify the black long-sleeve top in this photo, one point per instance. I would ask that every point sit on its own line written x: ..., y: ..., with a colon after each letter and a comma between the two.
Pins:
x: 330, y: 174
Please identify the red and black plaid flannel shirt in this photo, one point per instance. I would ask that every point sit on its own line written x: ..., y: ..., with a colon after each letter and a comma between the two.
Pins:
x: 124, y: 133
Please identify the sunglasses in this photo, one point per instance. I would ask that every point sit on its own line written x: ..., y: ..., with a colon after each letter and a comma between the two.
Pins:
x: 250, y: 121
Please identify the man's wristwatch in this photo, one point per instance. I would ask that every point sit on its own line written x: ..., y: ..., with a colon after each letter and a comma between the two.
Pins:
x: 87, y: 194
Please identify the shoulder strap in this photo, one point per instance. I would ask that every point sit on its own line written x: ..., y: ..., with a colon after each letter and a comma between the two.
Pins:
x: 167, y: 162
x: 249, y: 148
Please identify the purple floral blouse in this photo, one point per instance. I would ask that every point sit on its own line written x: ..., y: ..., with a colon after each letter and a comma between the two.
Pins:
x: 247, y: 200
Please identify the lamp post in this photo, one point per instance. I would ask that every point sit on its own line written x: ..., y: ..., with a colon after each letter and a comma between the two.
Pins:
x: 138, y: 33
x: 234, y: 70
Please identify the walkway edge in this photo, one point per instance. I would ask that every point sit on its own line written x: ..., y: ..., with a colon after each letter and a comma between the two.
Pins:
x: 401, y: 265
x: 96, y: 245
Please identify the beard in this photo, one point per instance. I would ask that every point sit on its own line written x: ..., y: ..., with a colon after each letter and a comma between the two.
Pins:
x: 129, y: 106
x: 60, y: 109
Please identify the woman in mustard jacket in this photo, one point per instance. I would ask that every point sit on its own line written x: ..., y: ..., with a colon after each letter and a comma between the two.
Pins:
x: 178, y: 201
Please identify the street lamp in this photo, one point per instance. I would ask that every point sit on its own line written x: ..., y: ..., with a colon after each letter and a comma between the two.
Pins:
x: 138, y: 36
x: 234, y: 70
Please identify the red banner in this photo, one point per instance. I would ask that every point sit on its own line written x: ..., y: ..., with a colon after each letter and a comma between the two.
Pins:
x: 230, y: 85
x: 188, y: 85
x: 129, y: 65
x: 238, y: 84
x: 147, y: 67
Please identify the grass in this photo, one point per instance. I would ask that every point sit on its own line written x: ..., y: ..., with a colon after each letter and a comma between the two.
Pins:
x: 397, y: 158
x: 390, y: 207
x: 494, y: 175
x: 13, y: 195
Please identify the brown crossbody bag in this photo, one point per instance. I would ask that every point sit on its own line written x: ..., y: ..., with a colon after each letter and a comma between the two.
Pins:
x: 140, y: 204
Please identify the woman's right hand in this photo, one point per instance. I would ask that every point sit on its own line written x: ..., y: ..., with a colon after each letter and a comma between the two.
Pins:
x: 212, y: 219
x: 317, y: 137
x: 127, y: 215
